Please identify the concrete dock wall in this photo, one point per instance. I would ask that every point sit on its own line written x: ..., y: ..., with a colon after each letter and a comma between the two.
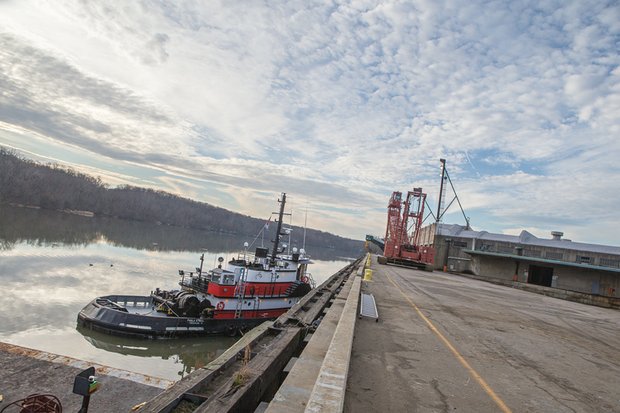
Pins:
x: 584, y: 298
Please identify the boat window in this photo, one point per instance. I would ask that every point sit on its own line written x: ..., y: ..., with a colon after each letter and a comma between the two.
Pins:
x: 229, y: 279
x: 216, y: 278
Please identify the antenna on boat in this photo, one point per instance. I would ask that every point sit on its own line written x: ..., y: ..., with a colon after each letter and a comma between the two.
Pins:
x: 305, y: 225
x: 276, y: 241
x: 202, y: 260
x: 288, y: 231
x: 261, y: 233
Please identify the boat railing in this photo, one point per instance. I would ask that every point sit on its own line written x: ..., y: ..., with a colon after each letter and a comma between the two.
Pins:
x: 200, y: 283
x: 131, y: 299
x: 120, y: 302
x: 250, y: 260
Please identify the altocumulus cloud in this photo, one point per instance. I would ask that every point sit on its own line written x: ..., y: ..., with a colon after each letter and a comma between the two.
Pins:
x: 338, y: 103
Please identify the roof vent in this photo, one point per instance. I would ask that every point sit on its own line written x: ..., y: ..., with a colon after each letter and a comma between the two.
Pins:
x: 557, y: 235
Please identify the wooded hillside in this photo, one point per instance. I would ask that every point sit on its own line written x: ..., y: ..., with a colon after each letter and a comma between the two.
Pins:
x: 55, y: 187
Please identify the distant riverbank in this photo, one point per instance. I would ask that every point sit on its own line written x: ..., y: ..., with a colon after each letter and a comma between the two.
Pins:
x: 58, y: 188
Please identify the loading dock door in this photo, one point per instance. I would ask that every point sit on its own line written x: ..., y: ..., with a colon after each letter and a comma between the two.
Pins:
x: 540, y: 275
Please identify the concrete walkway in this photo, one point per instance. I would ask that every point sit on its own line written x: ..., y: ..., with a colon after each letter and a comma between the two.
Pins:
x: 25, y: 371
x: 446, y: 344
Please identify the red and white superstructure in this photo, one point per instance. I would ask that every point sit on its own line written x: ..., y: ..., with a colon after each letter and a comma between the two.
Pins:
x: 259, y: 285
x: 251, y: 287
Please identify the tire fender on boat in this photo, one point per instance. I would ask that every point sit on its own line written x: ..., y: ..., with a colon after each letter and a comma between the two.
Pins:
x: 305, y: 279
x: 232, y: 331
x: 220, y: 305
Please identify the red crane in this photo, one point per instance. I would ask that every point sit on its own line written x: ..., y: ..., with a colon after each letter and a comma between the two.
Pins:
x: 401, y: 244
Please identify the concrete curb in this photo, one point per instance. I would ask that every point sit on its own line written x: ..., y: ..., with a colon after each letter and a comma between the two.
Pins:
x: 293, y: 394
x: 329, y: 390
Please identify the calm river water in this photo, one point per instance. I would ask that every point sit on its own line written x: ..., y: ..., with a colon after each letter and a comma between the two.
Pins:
x: 52, y: 264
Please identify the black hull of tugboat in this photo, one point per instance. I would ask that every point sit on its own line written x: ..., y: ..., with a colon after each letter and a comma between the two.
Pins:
x: 113, y: 321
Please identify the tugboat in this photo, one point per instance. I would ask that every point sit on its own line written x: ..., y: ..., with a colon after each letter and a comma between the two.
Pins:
x: 228, y: 299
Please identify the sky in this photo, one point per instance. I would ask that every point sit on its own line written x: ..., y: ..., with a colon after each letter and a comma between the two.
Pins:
x: 335, y: 103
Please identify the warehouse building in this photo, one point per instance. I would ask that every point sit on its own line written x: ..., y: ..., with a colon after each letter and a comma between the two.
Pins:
x: 554, y: 262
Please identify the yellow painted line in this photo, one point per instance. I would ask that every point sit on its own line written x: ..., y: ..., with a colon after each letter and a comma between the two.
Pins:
x: 485, y: 386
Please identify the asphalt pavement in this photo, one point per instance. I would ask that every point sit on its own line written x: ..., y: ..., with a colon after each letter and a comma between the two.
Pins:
x: 446, y: 343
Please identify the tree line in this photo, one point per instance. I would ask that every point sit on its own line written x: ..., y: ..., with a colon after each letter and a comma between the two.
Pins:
x: 55, y: 187
x: 42, y: 227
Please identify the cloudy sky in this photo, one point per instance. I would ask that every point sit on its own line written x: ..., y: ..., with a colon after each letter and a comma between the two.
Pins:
x: 336, y: 103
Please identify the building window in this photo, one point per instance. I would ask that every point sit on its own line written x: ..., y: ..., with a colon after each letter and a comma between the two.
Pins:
x: 608, y: 262
x: 532, y: 253
x: 554, y: 255
x: 461, y: 244
x: 582, y: 259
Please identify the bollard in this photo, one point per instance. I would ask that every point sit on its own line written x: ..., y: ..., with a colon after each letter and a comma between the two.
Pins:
x: 368, y: 275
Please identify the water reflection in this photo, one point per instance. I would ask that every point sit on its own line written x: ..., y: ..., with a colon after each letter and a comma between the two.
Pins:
x: 189, y: 354
x: 40, y: 227
x: 52, y: 264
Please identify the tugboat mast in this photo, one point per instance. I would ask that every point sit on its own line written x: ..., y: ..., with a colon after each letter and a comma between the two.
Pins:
x: 276, y: 242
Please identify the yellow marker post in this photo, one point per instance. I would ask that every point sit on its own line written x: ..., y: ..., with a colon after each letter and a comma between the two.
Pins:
x: 368, y: 275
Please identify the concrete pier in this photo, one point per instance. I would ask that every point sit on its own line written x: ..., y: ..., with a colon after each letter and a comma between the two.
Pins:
x: 448, y: 343
x: 25, y: 371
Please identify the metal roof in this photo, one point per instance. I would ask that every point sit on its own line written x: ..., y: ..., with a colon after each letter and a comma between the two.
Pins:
x: 543, y: 260
x: 525, y: 238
